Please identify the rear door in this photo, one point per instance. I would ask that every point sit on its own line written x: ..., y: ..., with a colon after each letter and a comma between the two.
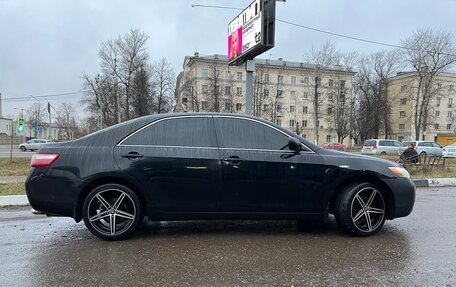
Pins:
x: 176, y: 161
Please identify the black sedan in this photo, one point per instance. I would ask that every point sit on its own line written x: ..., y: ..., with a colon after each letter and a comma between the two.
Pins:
x: 211, y: 166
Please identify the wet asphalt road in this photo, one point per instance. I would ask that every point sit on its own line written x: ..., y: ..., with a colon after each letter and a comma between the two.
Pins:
x: 419, y: 250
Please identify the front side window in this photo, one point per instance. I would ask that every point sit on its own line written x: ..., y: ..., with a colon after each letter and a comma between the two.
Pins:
x: 188, y: 132
x: 248, y: 134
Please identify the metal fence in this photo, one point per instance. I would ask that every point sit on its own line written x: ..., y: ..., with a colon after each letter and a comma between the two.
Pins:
x: 7, y: 140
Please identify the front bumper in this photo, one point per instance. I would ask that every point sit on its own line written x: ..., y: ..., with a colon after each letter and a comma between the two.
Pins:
x: 403, y: 192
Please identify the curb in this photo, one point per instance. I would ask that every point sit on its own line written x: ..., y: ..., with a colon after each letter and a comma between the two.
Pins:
x: 8, y: 200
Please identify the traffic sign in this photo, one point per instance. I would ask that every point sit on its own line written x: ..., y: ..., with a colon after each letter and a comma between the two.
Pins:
x: 37, y: 128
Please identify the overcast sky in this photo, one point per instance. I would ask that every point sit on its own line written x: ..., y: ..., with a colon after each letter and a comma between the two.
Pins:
x: 45, y: 46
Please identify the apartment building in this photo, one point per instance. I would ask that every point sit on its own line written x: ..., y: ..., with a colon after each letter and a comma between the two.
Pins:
x: 284, y: 92
x: 403, y: 89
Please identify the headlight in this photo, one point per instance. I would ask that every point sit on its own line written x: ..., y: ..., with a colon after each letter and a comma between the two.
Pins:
x: 400, y: 171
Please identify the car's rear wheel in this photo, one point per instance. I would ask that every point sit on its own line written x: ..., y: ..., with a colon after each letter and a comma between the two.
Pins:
x: 360, y: 209
x: 112, y: 211
x: 383, y: 153
x: 22, y: 148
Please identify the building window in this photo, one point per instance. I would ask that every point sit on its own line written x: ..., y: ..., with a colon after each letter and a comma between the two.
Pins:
x: 217, y: 74
x: 184, y: 100
x: 402, y: 114
x: 228, y: 75
x: 342, y: 83
x: 436, y: 126
x: 330, y: 98
x: 329, y: 111
x: 306, y: 95
x: 266, y: 78
x: 401, y: 127
x: 238, y: 107
x: 439, y: 86
x: 403, y: 88
x: 204, y: 88
x: 450, y: 114
x: 304, y: 110
x: 279, y: 93
x: 438, y: 99
x: 293, y: 94
x: 437, y: 113
x: 448, y: 127
x: 228, y: 107
x: 306, y: 80
x: 331, y: 83
x: 205, y: 73
x: 265, y: 108
x: 280, y: 79
x: 204, y: 105
x: 328, y: 138
x: 292, y: 123
x: 279, y: 122
x: 239, y: 76
x: 304, y: 123
x: 239, y: 91
x: 266, y: 93
x: 450, y: 102
x: 227, y: 90
x: 279, y: 108
x: 403, y: 101
x: 293, y: 80
x: 292, y: 109
x: 451, y: 87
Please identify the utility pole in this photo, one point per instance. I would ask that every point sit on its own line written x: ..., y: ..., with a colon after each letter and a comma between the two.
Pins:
x: 315, y: 106
x: 50, y: 123
x: 250, y: 68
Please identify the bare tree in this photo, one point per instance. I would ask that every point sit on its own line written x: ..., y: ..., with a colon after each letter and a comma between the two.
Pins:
x: 163, y: 80
x: 67, y: 119
x: 427, y: 53
x: 36, y: 115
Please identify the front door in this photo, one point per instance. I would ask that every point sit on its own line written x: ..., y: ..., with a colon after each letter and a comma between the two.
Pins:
x: 260, y: 173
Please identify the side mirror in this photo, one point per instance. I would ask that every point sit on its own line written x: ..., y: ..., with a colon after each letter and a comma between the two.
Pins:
x: 294, y: 144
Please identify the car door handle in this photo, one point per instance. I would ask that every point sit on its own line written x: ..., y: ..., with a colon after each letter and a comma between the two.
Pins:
x: 132, y: 155
x: 233, y: 160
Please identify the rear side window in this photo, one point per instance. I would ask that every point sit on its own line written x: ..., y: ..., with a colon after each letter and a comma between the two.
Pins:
x: 186, y: 132
x: 425, y: 144
x: 247, y: 134
x: 384, y: 143
x: 370, y: 143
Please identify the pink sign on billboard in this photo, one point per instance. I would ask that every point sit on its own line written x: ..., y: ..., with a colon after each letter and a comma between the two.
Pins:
x: 235, y: 44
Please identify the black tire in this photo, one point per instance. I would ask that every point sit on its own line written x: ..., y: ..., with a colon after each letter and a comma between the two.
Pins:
x: 107, y: 217
x: 383, y: 153
x: 355, y: 219
x: 22, y: 148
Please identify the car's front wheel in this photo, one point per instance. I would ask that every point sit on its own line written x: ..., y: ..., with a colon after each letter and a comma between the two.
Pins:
x: 112, y: 211
x: 22, y: 148
x: 360, y: 209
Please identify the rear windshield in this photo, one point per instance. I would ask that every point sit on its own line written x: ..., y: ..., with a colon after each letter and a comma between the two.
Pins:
x: 370, y: 143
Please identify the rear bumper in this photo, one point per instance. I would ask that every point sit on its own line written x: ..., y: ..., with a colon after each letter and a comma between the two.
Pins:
x: 403, y: 191
x: 50, y: 195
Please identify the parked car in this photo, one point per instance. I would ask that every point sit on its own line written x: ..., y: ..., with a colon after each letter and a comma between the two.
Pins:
x: 425, y: 147
x: 335, y: 146
x: 211, y: 166
x: 381, y: 147
x: 449, y: 150
x: 32, y: 145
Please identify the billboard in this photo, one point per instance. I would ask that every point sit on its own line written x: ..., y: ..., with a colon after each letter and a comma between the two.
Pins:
x: 251, y: 32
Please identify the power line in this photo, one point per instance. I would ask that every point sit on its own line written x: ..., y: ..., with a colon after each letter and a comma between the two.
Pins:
x: 26, y: 98
x: 325, y: 31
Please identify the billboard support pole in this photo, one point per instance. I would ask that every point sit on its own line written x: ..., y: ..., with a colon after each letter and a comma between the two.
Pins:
x: 250, y: 68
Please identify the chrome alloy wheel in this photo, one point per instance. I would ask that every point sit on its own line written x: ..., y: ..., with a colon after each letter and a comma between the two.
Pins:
x: 368, y: 209
x: 111, y: 212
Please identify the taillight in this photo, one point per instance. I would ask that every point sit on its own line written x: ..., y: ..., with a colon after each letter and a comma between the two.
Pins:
x: 43, y: 159
x: 374, y: 147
